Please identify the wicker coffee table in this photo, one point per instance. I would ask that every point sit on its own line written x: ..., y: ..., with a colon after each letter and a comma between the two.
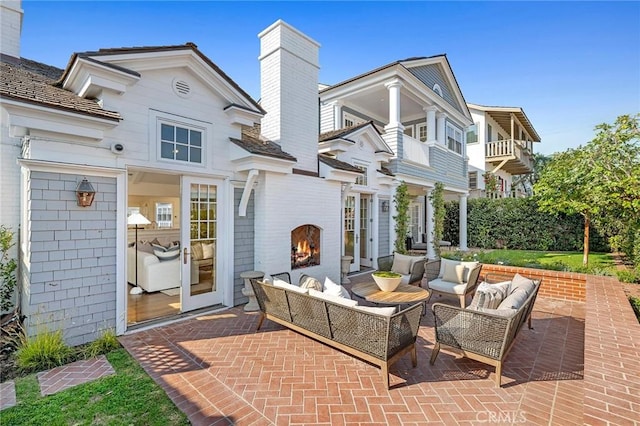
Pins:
x: 404, y: 295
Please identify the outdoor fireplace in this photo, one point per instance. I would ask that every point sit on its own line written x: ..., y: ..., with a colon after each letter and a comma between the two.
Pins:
x: 305, y: 246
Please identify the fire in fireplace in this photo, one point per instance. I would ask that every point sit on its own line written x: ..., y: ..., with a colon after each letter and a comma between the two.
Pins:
x: 305, y: 246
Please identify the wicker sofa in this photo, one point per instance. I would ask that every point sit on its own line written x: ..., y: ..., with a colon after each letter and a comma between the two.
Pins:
x: 379, y: 339
x: 485, y: 335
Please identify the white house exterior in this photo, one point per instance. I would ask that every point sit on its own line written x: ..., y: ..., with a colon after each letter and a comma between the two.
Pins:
x: 418, y: 108
x: 501, y: 144
x: 163, y: 132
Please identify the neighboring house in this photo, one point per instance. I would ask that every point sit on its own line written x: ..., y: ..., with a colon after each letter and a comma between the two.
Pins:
x: 422, y: 117
x: 500, y: 150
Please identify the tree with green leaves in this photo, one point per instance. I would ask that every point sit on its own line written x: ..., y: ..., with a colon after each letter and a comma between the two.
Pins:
x: 600, y: 181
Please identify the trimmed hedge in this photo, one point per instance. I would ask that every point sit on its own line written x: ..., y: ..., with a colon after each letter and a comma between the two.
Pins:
x: 516, y: 223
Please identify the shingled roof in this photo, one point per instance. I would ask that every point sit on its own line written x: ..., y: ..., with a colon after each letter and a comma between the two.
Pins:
x: 29, y: 81
x: 252, y: 142
x: 340, y: 133
x: 337, y: 164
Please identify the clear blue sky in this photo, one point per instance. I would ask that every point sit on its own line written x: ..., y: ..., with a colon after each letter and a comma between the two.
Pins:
x: 570, y: 65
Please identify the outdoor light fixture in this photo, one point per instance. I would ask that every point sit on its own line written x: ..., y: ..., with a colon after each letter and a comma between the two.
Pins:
x: 385, y: 206
x: 85, y: 193
x: 137, y: 219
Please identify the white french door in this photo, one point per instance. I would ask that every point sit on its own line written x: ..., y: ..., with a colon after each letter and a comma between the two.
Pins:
x: 357, y: 230
x: 201, y: 228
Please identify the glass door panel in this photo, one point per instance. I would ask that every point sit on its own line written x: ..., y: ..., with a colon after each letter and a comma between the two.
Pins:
x: 200, y: 258
x: 365, y: 237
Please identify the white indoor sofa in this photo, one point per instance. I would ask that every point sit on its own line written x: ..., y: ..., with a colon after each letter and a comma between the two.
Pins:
x: 154, y: 274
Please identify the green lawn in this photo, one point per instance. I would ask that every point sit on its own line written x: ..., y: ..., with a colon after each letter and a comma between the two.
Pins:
x: 601, y: 263
x: 129, y: 397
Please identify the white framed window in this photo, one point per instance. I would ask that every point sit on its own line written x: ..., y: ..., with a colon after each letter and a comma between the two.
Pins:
x: 489, y: 133
x: 473, y: 180
x: 362, y: 179
x: 349, y: 120
x: 181, y: 143
x: 472, y: 133
x: 164, y: 215
x: 421, y: 132
x: 454, y: 139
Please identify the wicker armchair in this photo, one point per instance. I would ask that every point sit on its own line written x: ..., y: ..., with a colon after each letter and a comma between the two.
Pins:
x: 484, y: 336
x: 416, y: 270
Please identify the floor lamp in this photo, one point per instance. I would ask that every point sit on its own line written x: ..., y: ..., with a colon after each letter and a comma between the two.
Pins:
x: 137, y: 219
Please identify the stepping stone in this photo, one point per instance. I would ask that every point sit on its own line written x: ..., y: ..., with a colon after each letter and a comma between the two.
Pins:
x: 7, y: 394
x: 76, y: 373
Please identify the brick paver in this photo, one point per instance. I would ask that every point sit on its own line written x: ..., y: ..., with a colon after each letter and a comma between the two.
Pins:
x: 219, y: 370
x: 7, y: 394
x: 76, y: 373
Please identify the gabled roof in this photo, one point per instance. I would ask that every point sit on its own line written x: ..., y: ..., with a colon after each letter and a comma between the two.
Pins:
x: 337, y: 164
x: 32, y: 82
x: 502, y: 116
x: 343, y: 132
x: 93, y: 55
x: 252, y: 142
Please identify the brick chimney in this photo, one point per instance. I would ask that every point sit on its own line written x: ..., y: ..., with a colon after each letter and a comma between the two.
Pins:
x: 289, y: 92
x: 10, y: 27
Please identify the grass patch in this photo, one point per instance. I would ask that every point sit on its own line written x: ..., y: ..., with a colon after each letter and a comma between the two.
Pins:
x: 129, y: 397
x: 599, y: 263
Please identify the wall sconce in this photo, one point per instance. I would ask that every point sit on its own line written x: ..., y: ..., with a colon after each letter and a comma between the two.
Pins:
x: 385, y: 206
x: 85, y: 193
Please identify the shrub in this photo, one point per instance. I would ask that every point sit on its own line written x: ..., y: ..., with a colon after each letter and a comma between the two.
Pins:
x: 635, y: 304
x: 42, y: 351
x: 628, y: 276
x: 8, y: 268
x: 106, y: 343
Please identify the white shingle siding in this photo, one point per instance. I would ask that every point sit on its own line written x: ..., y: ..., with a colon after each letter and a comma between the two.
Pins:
x: 289, y: 92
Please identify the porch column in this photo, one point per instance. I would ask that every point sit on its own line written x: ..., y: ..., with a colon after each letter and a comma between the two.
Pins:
x: 394, y: 104
x: 337, y: 115
x: 442, y: 117
x: 431, y: 123
x: 431, y: 248
x: 463, y: 222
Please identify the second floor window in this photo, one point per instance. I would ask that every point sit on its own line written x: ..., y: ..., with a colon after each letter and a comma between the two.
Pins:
x: 351, y: 120
x: 362, y: 179
x: 421, y: 132
x: 454, y: 139
x: 180, y: 143
x: 472, y: 133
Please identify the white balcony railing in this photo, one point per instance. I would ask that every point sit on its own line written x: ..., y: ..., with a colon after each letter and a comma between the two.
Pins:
x: 415, y: 151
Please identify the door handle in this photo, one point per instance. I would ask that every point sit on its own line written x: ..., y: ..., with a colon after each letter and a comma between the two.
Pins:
x: 186, y: 253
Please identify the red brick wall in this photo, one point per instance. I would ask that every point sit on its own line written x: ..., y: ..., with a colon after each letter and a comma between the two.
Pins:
x: 555, y: 284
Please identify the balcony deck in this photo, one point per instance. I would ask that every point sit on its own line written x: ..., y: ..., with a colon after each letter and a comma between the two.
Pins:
x: 509, y: 155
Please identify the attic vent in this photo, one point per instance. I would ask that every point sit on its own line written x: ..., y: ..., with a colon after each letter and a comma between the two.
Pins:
x: 181, y: 88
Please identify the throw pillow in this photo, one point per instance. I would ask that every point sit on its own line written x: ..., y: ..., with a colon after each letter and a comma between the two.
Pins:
x: 207, y: 251
x: 515, y: 300
x: 283, y: 284
x: 443, y: 264
x: 401, y: 264
x: 454, y: 273
x: 166, y: 255
x: 196, y: 251
x: 334, y: 289
x: 490, y: 295
x: 520, y: 282
x: 335, y: 299
x: 309, y: 282
x: 145, y: 248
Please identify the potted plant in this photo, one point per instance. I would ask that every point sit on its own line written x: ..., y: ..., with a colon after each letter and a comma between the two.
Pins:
x: 387, y: 280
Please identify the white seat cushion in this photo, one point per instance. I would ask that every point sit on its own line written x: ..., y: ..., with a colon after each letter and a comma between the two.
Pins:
x: 447, y: 286
x: 331, y: 298
x: 283, y: 284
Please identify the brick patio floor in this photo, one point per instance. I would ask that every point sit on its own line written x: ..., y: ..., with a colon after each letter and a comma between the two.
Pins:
x: 219, y: 370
